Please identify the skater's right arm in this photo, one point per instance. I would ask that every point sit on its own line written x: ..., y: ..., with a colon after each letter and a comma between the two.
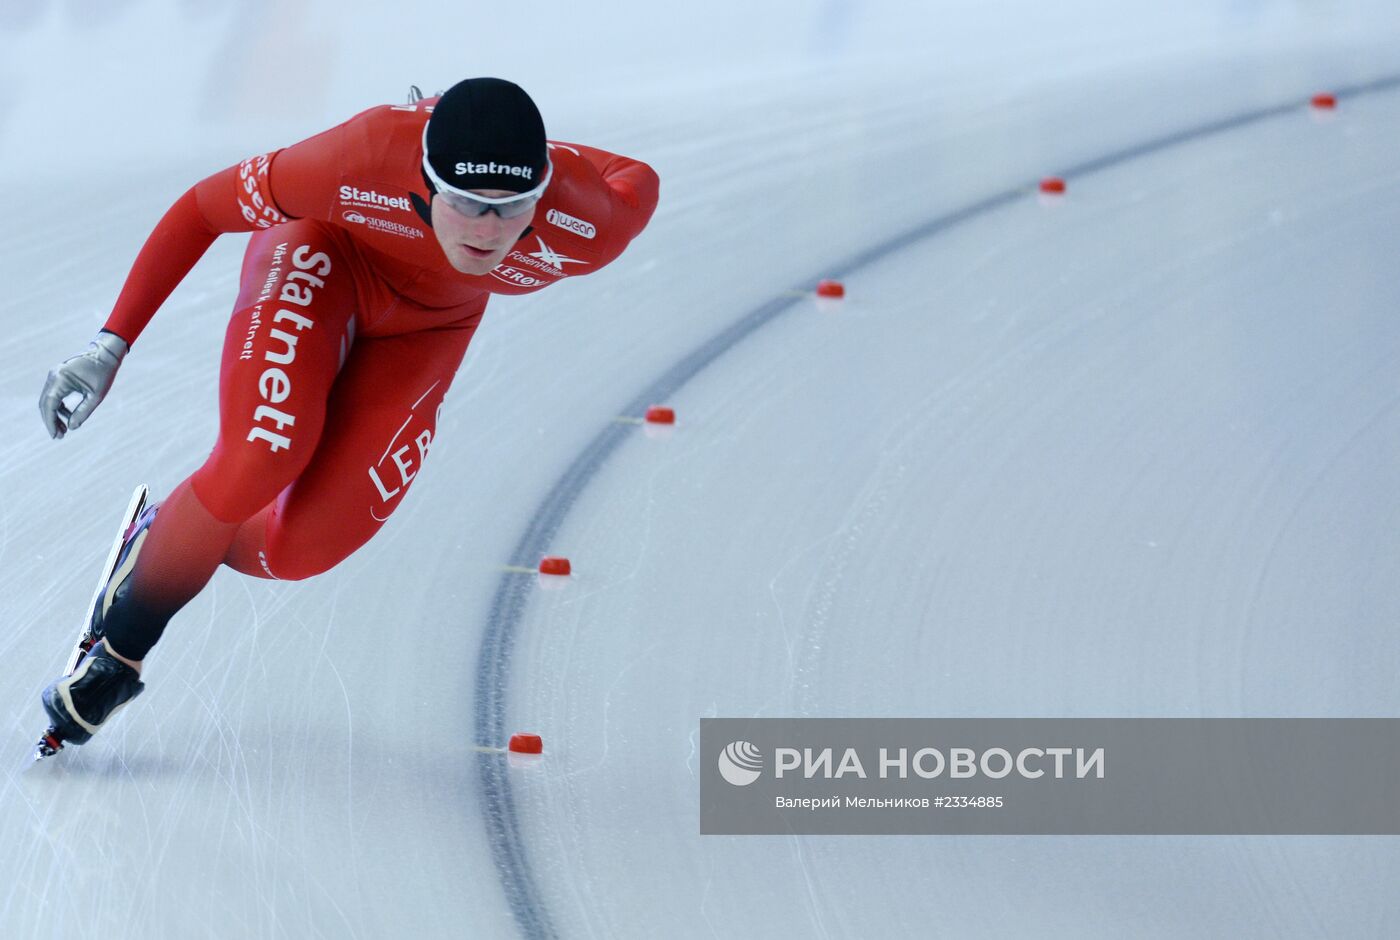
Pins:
x: 238, y: 199
x: 182, y: 236
x: 180, y: 239
x: 88, y: 375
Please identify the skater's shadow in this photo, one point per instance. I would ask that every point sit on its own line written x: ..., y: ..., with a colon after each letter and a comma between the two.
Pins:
x: 104, y: 763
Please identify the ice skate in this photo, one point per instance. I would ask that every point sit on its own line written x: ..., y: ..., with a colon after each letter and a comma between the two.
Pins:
x: 95, y: 684
x: 81, y: 703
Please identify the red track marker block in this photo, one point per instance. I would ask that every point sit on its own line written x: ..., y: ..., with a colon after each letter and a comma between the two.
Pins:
x: 831, y: 289
x: 1052, y: 184
x: 553, y: 565
x: 1324, y: 101
x: 526, y: 744
x: 658, y: 414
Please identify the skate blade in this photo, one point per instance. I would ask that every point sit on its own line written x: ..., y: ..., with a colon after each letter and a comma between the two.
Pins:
x: 49, y: 745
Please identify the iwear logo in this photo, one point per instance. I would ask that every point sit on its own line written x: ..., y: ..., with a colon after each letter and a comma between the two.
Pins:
x: 741, y: 763
x: 569, y: 223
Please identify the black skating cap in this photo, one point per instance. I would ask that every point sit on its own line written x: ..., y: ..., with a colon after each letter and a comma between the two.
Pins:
x: 486, y: 133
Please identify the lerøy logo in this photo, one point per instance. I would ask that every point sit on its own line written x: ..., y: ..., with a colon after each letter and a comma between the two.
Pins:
x: 546, y: 261
x: 741, y: 763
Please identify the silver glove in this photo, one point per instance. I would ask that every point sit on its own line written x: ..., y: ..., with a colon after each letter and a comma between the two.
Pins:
x: 88, y: 374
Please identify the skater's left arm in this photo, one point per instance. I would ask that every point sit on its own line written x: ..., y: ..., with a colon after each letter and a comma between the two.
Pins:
x: 632, y: 187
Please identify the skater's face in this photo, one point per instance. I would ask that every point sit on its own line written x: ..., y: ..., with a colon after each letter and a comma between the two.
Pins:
x: 475, y: 245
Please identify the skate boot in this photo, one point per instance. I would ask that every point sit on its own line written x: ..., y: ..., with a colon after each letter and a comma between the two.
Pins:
x: 80, y: 704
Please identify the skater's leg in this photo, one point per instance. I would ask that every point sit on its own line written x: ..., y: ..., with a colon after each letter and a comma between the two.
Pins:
x: 179, y: 556
x: 379, y: 427
x: 281, y: 354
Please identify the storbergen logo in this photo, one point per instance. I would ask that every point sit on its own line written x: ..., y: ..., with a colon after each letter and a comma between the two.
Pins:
x: 741, y: 763
x: 382, y: 225
x: 565, y: 221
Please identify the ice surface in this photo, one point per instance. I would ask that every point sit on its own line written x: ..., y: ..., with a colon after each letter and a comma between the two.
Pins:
x: 1129, y: 452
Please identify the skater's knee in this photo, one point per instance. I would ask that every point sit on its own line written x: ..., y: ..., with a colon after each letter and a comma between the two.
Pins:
x: 261, y: 548
x: 297, y: 552
x: 286, y: 566
x: 254, y: 553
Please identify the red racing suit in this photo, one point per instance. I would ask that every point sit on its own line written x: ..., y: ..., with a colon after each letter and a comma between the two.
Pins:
x: 349, y: 325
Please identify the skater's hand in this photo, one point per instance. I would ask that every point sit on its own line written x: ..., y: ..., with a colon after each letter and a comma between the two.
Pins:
x: 89, y: 375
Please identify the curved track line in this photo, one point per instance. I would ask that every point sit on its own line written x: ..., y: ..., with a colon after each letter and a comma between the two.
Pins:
x: 513, y: 592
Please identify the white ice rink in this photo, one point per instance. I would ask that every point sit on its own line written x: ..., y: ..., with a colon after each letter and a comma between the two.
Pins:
x: 1134, y: 451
